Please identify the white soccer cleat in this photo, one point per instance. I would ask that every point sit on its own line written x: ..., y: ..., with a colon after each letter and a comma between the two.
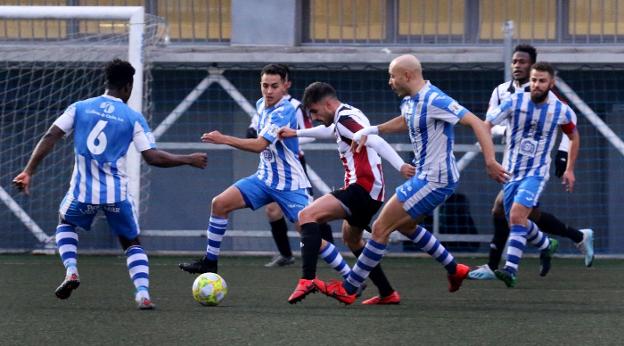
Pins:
x: 481, y: 273
x: 586, y: 246
x: 143, y: 301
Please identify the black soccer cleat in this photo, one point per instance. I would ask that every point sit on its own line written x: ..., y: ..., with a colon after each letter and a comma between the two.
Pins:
x: 67, y: 286
x: 202, y: 265
x: 546, y: 256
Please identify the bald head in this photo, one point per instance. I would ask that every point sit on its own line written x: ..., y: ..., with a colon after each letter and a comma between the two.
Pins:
x: 405, y: 75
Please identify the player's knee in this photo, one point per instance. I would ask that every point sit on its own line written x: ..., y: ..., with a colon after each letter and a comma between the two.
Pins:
x: 517, y: 218
x: 274, y: 212
x: 352, y: 241
x: 308, y: 215
x: 219, y: 206
x: 126, y: 243
x: 380, y: 230
x: 498, y: 210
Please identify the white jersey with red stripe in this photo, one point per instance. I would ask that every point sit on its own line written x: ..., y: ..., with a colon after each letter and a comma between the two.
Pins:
x: 363, y: 168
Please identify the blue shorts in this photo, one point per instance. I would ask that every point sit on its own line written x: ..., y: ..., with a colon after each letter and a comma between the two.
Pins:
x: 421, y: 197
x: 257, y: 194
x: 121, y: 216
x: 525, y: 192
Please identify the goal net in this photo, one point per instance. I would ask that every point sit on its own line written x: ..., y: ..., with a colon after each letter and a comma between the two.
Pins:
x: 46, y: 64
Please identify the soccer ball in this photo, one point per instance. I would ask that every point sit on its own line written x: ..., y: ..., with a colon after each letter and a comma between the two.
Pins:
x: 209, y: 289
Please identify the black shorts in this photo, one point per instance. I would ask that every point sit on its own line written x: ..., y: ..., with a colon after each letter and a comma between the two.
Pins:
x: 358, y: 204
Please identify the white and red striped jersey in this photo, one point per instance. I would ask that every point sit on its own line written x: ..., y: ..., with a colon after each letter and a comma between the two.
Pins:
x: 363, y: 168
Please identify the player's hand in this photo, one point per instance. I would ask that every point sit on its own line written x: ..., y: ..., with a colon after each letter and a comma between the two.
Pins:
x: 22, y: 182
x: 357, y: 145
x: 568, y: 180
x: 497, y: 172
x: 251, y: 133
x: 408, y: 171
x: 287, y: 132
x: 561, y: 163
x: 214, y: 137
x: 199, y: 160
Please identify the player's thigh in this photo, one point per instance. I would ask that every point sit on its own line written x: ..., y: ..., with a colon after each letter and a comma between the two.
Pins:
x: 78, y: 214
x: 291, y: 202
x: 497, y: 208
x: 391, y: 217
x: 324, y: 209
x: 122, y: 219
x: 273, y: 212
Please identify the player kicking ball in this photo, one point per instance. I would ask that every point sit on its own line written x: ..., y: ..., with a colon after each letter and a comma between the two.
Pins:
x: 103, y: 128
x: 361, y: 197
x: 428, y: 115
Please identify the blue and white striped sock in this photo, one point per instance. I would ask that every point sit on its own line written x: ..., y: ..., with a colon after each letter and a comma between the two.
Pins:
x: 138, y: 267
x: 216, y: 230
x: 335, y: 260
x: 371, y: 256
x: 515, y: 247
x: 67, y: 244
x: 536, y: 237
x: 428, y: 243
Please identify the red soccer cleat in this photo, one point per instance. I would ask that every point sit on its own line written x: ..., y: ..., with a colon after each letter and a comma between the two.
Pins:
x: 393, y: 299
x: 336, y: 290
x: 455, y: 280
x: 304, y: 287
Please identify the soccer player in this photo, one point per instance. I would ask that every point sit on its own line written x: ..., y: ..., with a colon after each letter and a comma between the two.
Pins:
x: 428, y: 115
x: 361, y: 197
x: 279, y: 228
x: 534, y: 118
x: 103, y: 128
x: 522, y: 59
x: 280, y: 177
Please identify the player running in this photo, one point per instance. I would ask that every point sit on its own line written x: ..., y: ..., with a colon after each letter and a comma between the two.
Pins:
x: 534, y: 118
x: 103, y: 128
x: 428, y: 115
x: 361, y: 197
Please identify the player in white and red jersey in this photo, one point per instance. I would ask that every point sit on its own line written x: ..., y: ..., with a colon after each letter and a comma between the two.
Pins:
x: 359, y: 199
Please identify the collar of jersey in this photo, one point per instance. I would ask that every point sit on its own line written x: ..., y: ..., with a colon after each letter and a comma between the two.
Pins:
x: 112, y: 98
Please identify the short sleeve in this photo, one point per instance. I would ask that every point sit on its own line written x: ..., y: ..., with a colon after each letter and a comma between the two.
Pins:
x: 65, y: 122
x: 447, y: 109
x: 278, y: 118
x: 494, y: 100
x: 142, y: 136
x: 498, y: 115
x: 568, y: 121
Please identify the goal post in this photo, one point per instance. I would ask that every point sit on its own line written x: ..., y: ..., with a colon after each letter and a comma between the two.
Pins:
x: 136, y: 19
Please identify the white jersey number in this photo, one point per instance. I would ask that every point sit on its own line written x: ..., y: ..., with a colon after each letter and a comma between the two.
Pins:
x: 97, y: 134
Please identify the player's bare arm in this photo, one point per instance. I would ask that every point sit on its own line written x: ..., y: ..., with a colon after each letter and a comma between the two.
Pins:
x: 482, y: 132
x: 161, y: 158
x: 254, y: 145
x: 43, y: 148
x: 568, y: 179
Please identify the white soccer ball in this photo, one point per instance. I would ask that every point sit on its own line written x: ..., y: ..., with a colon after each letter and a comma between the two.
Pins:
x: 209, y: 289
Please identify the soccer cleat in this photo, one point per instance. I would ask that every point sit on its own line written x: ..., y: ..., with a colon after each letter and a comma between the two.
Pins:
x: 304, y: 287
x: 393, y: 299
x: 145, y: 303
x: 455, y: 280
x: 507, y: 277
x: 336, y: 290
x: 546, y: 256
x: 586, y: 246
x: 202, y: 265
x: 280, y: 261
x: 481, y: 273
x: 65, y: 289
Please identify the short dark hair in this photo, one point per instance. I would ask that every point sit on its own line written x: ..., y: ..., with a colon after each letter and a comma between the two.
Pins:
x: 543, y: 67
x: 274, y: 69
x: 287, y: 70
x: 317, y: 91
x: 527, y: 48
x: 119, y: 73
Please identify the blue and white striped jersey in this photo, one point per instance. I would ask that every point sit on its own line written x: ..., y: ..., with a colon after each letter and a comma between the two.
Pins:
x: 279, y: 166
x: 533, y: 132
x: 103, y: 127
x: 430, y: 116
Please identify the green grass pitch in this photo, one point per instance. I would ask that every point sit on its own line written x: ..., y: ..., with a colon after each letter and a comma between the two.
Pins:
x: 573, y: 305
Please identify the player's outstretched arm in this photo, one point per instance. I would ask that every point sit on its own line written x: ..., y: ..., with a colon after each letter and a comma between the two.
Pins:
x: 396, y: 124
x: 43, y: 148
x: 161, y: 158
x: 254, y: 145
x: 389, y: 154
x: 482, y: 132
x: 568, y: 178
